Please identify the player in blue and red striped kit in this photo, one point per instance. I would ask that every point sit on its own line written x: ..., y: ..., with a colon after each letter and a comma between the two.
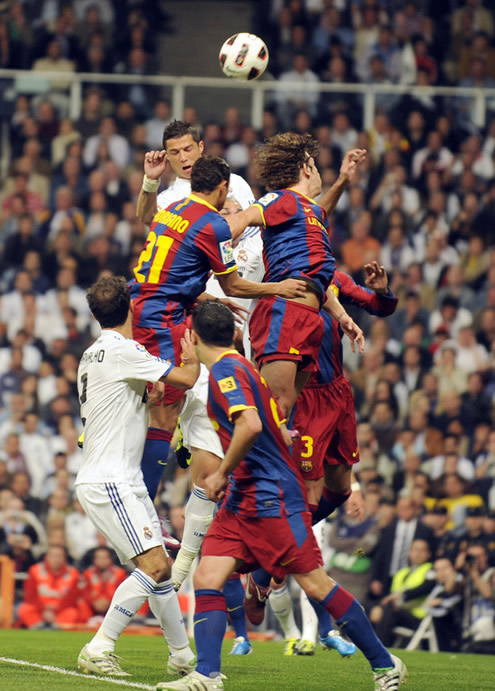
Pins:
x: 186, y: 241
x: 286, y: 334
x: 263, y: 519
x: 324, y: 412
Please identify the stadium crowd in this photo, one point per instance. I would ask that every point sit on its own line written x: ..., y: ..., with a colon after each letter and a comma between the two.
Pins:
x: 423, y: 205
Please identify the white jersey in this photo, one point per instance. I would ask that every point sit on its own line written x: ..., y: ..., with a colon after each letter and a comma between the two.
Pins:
x: 111, y: 383
x: 181, y: 188
x: 248, y: 254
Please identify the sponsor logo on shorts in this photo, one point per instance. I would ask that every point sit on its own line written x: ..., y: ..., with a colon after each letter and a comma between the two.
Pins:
x: 264, y: 201
x: 227, y: 384
x: 148, y: 534
x: 294, y: 351
x: 226, y: 251
x: 285, y: 563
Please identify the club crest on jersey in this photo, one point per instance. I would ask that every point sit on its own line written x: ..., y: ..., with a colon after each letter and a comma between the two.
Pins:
x: 226, y: 251
x: 147, y: 533
x: 242, y: 256
x: 227, y: 384
x: 267, y: 198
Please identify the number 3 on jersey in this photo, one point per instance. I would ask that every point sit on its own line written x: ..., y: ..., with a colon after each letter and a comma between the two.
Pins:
x: 148, y: 270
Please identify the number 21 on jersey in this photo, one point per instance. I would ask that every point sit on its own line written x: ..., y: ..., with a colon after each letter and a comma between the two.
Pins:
x: 152, y: 258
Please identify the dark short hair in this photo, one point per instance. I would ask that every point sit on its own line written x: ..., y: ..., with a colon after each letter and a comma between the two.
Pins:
x: 179, y: 128
x: 208, y: 172
x: 214, y: 323
x: 109, y: 300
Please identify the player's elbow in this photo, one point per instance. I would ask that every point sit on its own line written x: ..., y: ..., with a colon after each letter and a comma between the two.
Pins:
x: 252, y: 424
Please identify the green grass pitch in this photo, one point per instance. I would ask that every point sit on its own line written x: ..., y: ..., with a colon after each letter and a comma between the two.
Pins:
x: 265, y: 670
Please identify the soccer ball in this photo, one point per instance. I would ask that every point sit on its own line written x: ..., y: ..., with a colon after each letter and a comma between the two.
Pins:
x: 243, y: 56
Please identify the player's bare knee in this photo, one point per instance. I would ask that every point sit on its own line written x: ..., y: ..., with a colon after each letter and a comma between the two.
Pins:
x: 204, y: 578
x: 155, y: 564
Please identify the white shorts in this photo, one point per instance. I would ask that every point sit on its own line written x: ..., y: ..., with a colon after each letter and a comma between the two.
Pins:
x: 194, y: 421
x: 124, y: 514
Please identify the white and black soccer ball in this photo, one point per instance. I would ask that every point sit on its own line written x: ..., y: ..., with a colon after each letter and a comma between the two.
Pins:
x: 243, y: 56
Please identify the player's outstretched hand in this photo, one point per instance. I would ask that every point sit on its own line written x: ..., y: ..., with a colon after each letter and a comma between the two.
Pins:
x: 351, y: 162
x: 215, y: 486
x: 155, y: 163
x: 188, y: 355
x: 291, y: 288
x: 354, y: 506
x: 376, y: 277
x: 353, y: 332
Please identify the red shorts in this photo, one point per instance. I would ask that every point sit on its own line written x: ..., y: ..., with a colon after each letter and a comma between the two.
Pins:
x: 164, y: 342
x: 326, y: 421
x: 280, y: 545
x: 286, y: 330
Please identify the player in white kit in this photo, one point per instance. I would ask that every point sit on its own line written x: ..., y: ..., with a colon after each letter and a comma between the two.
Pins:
x: 112, y: 386
x: 182, y: 148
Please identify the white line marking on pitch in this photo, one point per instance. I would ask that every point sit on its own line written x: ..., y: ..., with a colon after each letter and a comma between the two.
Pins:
x: 71, y: 673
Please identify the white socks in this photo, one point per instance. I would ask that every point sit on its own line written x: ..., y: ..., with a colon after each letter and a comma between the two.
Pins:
x: 281, y: 604
x: 127, y: 599
x: 199, y: 515
x: 309, y: 619
x: 164, y: 604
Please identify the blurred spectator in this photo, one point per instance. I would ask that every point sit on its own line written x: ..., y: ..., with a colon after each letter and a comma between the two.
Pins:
x: 99, y: 583
x: 50, y: 593
x: 445, y: 604
x: 479, y: 608
x: 301, y: 94
x: 118, y: 147
x: 405, y: 605
x: 353, y: 542
x: 394, y: 544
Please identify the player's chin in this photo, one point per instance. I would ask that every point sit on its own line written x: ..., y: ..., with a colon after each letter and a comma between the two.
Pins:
x: 186, y: 171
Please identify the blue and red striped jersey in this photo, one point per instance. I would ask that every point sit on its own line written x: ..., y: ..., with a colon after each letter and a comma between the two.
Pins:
x: 295, y: 238
x: 267, y: 481
x: 185, y: 242
x: 348, y: 291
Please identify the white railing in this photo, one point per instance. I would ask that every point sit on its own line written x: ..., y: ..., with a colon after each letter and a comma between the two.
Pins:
x: 258, y: 91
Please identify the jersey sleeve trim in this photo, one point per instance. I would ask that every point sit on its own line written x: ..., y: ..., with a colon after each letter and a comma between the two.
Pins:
x: 258, y: 206
x: 238, y: 408
x: 228, y: 271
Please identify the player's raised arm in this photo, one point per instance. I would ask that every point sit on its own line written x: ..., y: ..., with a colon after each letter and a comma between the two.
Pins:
x: 155, y: 163
x: 185, y: 376
x: 350, y: 164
